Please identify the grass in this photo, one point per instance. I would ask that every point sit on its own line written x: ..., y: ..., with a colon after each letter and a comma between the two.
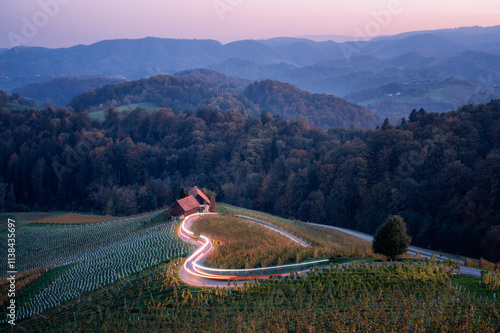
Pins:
x: 12, y: 107
x: 91, y: 256
x: 357, y: 297
x: 45, y: 280
x: 74, y: 218
x: 23, y: 219
x: 361, y: 297
x: 145, y: 105
x: 332, y: 242
x: 473, y: 285
x: 325, y: 236
x: 242, y: 244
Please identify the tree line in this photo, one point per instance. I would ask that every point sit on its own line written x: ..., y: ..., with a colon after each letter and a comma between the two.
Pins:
x: 220, y: 92
x: 440, y: 172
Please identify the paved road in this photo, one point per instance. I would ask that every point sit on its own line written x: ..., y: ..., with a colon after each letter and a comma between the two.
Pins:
x: 194, y: 273
x: 188, y: 273
x: 411, y: 250
x: 274, y: 228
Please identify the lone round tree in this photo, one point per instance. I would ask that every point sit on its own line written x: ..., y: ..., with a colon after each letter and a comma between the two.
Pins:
x: 391, y: 239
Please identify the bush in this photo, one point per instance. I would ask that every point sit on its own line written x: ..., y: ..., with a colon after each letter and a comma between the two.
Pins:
x: 390, y: 238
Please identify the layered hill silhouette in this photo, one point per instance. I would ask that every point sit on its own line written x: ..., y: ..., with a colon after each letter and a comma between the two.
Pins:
x: 470, y: 55
x: 205, y: 88
x: 61, y: 91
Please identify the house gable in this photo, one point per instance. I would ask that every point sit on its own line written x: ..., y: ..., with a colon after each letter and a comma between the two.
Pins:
x: 199, y: 195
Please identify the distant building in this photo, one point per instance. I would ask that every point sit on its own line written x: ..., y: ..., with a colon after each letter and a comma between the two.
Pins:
x: 199, y: 195
x: 195, y: 202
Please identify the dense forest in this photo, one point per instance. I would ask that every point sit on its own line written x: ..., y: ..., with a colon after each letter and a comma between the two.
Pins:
x: 441, y: 172
x: 206, y: 88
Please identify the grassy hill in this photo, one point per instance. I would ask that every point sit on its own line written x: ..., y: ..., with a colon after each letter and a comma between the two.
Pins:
x: 394, y: 100
x: 407, y: 297
x: 148, y: 106
x: 59, y: 263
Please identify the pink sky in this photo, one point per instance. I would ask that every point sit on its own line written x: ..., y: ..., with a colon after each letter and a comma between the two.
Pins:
x: 62, y: 23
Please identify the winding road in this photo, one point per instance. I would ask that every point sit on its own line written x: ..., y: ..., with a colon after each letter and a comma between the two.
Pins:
x: 194, y: 273
x: 411, y: 250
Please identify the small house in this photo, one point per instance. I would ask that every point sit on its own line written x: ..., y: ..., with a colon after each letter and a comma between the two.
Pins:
x: 195, y: 202
x: 186, y: 206
x: 199, y: 196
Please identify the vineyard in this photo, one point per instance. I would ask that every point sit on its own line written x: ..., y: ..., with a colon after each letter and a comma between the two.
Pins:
x: 242, y: 244
x: 360, y: 297
x: 83, y: 258
x: 491, y: 280
x: 22, y: 280
x: 326, y: 241
x: 123, y: 275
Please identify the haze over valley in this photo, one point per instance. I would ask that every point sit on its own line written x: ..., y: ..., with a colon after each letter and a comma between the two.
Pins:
x: 435, y: 70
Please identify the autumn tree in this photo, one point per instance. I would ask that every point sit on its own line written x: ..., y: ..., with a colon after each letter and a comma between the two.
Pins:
x: 391, y: 239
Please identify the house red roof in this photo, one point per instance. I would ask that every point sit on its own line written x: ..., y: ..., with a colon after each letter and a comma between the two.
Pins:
x: 188, y: 203
x: 196, y: 191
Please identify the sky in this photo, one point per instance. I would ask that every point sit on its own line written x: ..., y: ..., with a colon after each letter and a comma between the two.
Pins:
x: 64, y: 23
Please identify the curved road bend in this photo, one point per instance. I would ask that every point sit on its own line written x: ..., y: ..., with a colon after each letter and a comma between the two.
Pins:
x: 276, y: 229
x: 193, y: 273
x: 411, y: 250
x: 185, y: 273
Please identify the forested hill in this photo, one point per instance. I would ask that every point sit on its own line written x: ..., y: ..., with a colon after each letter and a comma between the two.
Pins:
x: 189, y: 90
x: 284, y: 99
x: 441, y: 172
x: 205, y: 88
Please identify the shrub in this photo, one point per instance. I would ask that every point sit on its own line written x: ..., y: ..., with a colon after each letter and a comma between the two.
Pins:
x: 391, y: 238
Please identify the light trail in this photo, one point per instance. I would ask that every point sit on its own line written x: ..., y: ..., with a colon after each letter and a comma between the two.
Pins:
x: 264, y: 268
x: 193, y: 264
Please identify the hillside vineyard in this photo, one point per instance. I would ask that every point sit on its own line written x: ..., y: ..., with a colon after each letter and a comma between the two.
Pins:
x: 439, y: 172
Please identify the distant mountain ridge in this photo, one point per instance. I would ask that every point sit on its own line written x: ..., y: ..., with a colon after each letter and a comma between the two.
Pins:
x: 204, y: 88
x: 61, y: 91
x: 466, y: 54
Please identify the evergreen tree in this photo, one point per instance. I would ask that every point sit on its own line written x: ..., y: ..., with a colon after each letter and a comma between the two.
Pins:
x: 413, y: 116
x: 390, y: 238
x: 386, y: 125
x: 182, y: 193
x: 4, y: 98
x: 404, y: 124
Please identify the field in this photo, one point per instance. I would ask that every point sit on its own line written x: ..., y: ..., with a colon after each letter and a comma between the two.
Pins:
x: 79, y: 218
x: 242, y: 244
x: 437, y: 97
x: 74, y: 218
x: 123, y: 275
x: 83, y: 258
x: 23, y: 219
x: 146, y: 105
x: 361, y: 297
x: 11, y: 107
x: 328, y: 242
